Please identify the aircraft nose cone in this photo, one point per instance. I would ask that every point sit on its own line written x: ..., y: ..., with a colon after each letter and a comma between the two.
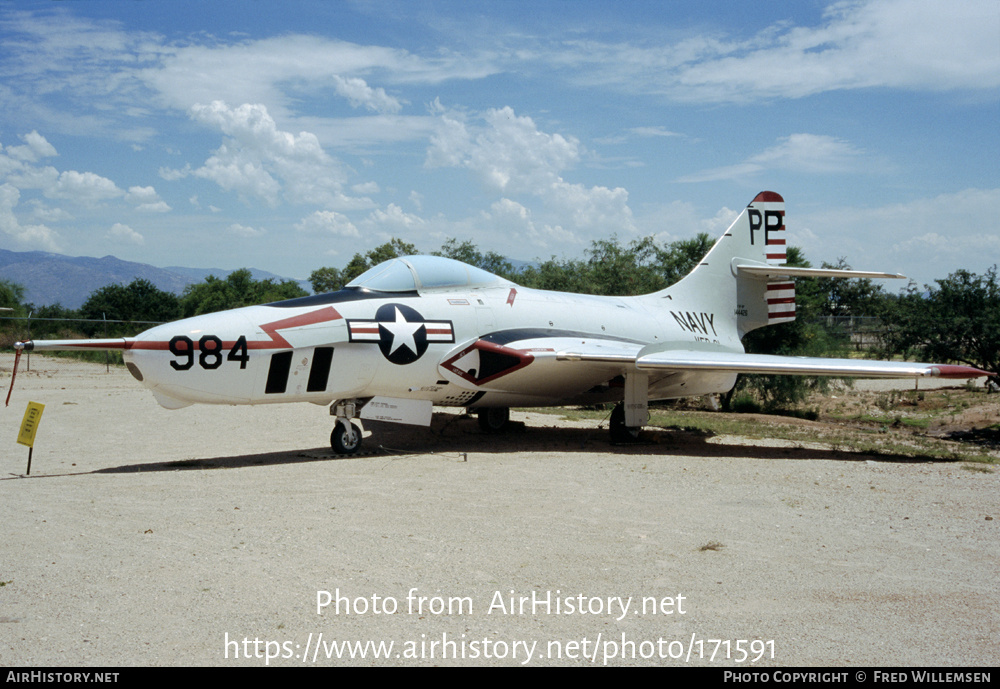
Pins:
x: 200, y: 359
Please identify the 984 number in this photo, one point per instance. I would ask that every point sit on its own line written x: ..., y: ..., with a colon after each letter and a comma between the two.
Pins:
x: 210, y: 350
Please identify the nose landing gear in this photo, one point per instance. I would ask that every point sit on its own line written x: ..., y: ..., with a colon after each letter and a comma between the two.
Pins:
x: 347, y: 432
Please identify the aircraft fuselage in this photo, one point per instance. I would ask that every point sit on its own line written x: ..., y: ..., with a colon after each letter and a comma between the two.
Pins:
x: 361, y: 344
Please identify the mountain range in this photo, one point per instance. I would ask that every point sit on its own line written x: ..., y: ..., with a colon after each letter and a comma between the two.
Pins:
x: 68, y: 280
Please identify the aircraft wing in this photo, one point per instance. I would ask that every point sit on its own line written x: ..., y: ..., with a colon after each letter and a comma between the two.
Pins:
x: 735, y: 362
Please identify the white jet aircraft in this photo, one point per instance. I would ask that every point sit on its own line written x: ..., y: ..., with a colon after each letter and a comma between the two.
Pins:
x: 419, y: 331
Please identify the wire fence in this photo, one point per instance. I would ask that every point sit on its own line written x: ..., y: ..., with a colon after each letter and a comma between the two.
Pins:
x: 28, y: 327
x: 864, y: 332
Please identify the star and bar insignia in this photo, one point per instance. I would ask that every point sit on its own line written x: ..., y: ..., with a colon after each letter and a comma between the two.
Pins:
x: 401, y: 332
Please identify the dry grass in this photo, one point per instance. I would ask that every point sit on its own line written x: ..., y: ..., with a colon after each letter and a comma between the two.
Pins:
x: 900, y: 423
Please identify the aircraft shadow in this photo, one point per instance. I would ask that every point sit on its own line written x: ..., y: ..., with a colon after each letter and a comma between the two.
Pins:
x: 460, y: 436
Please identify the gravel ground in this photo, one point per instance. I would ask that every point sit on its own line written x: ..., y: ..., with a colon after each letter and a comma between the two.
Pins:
x: 206, y: 536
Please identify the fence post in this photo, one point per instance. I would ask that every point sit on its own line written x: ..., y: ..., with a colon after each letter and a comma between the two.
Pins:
x: 107, y: 354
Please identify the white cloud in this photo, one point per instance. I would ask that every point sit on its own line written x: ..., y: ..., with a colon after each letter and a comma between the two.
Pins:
x: 146, y: 199
x: 19, y: 174
x: 124, y: 233
x: 925, y: 239
x: 83, y: 187
x: 366, y: 188
x: 811, y: 153
x: 258, y: 160
x: 599, y: 209
x: 653, y: 132
x: 33, y: 236
x: 395, y: 219
x: 513, y: 221
x: 804, y: 153
x: 72, y: 74
x: 360, y: 94
x: 87, y: 188
x: 904, y: 44
x: 510, y: 155
x: 330, y: 222
x: 246, y: 231
x: 260, y: 70
x: 35, y: 147
x: 47, y: 214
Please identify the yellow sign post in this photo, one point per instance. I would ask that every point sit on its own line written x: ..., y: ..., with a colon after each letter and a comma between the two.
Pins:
x: 32, y: 415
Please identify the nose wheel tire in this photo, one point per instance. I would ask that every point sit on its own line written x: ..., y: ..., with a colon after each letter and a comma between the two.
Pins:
x: 346, y: 438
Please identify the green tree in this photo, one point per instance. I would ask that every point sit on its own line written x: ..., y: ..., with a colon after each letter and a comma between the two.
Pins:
x: 394, y: 248
x: 466, y: 252
x: 325, y: 280
x: 572, y: 275
x: 54, y: 321
x: 679, y: 258
x: 807, y: 335
x: 617, y: 270
x: 11, y: 297
x: 140, y: 300
x: 236, y: 290
x: 842, y: 298
x: 332, y: 279
x: 958, y: 320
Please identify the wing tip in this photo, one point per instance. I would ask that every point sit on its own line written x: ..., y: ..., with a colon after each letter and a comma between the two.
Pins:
x: 953, y: 371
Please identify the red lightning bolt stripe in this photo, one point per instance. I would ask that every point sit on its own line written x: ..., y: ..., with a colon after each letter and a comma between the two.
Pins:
x: 276, y: 342
x: 312, y: 318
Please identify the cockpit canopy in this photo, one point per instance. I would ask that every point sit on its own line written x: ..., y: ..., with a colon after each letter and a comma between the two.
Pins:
x: 418, y: 273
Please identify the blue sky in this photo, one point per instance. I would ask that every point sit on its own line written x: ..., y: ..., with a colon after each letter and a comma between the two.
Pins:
x: 288, y: 136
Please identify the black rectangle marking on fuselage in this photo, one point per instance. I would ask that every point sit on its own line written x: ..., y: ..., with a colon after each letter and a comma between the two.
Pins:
x: 277, y: 375
x: 319, y: 373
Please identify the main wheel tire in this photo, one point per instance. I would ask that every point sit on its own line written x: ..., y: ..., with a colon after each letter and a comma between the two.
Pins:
x: 346, y: 438
x: 494, y: 419
x: 620, y: 433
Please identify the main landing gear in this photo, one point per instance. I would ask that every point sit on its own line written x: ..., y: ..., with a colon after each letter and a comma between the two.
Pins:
x: 494, y: 419
x: 347, y: 432
x: 620, y: 433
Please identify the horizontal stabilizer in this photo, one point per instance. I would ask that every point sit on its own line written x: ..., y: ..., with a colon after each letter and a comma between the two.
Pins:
x: 789, y: 272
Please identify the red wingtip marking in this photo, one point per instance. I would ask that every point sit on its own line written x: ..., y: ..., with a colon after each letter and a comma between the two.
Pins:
x: 768, y: 197
x: 949, y: 371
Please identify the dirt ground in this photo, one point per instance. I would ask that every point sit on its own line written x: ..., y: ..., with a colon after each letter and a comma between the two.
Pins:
x: 214, y: 535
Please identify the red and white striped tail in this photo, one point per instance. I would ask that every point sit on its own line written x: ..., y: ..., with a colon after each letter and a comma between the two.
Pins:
x: 780, y: 301
x: 776, y: 251
x: 780, y: 293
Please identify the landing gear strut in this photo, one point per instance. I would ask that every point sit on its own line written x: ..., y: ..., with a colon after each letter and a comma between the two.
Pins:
x: 347, y: 432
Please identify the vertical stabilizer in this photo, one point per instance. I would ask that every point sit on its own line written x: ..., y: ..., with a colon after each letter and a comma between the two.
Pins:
x: 756, y: 238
